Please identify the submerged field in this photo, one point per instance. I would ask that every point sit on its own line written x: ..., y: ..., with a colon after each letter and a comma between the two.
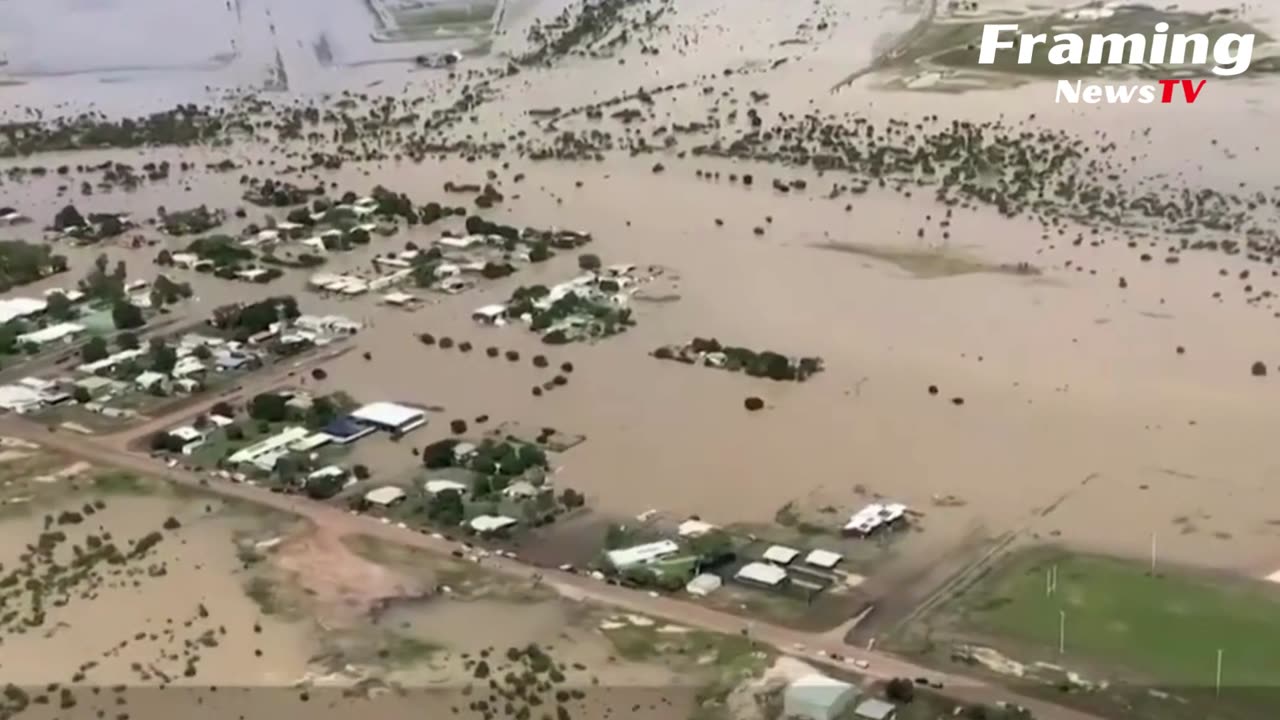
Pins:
x: 1127, y: 636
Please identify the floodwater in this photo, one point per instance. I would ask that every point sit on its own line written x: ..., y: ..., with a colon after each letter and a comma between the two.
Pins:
x: 1080, y: 421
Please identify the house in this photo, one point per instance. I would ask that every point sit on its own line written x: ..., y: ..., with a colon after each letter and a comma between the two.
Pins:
x: 817, y: 697
x: 490, y: 314
x: 521, y: 489
x: 874, y: 517
x: 384, y: 496
x: 399, y: 299
x: 95, y: 386
x: 264, y: 453
x: 221, y: 421
x: 761, y: 574
x: 252, y: 274
x: 19, y: 399
x: 51, y: 334
x: 311, y: 442
x: 460, y: 243
x: 624, y: 558
x: 344, y: 430
x: 491, y: 523
x: 191, y: 438
x: 328, y: 471
x: 110, y: 362
x: 327, y: 324
x: 434, y: 487
x: 704, y: 585
x: 824, y: 559
x: 694, y: 528
x: 391, y: 417
x: 875, y: 709
x: 71, y: 295
x: 780, y: 554
x: 149, y: 379
x: 14, y: 308
x: 187, y: 366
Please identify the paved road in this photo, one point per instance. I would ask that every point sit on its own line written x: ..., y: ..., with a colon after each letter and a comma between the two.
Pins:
x: 813, y: 647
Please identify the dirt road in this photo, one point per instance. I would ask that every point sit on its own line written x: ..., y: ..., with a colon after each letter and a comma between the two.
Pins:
x: 813, y: 647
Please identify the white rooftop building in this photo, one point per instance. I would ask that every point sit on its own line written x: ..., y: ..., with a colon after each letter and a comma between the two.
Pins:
x: 490, y: 314
x: 390, y: 416
x: 433, y: 487
x: 20, y: 398
x: 873, y: 517
x: 491, y: 523
x: 111, y: 361
x: 384, y: 496
x: 624, y: 558
x: 762, y: 574
x: 276, y: 446
x: 14, y: 308
x: 53, y: 333
x: 823, y: 558
x: 694, y: 528
x: 781, y: 554
x: 817, y: 697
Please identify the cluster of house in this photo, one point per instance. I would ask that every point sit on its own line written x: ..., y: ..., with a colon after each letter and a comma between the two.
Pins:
x: 777, y: 566
x: 610, y: 286
x: 265, y: 453
x: 350, y: 285
x: 875, y: 517
x: 820, y: 697
x: 188, y: 375
x: 9, y: 216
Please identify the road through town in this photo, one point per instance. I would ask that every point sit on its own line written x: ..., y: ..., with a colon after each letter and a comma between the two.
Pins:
x: 813, y: 647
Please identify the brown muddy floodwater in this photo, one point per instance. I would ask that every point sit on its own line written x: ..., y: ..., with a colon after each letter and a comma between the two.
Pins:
x: 1064, y: 408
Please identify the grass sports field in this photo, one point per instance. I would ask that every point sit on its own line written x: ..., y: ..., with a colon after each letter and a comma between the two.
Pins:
x: 1133, y: 630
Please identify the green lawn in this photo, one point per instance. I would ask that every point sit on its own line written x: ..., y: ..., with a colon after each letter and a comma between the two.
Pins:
x: 1166, y: 628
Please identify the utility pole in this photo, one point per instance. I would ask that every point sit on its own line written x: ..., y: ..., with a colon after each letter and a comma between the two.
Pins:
x: 1217, y: 683
x: 1062, y: 632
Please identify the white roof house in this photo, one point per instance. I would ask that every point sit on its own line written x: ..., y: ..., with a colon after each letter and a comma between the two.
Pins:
x: 398, y: 299
x: 111, y: 361
x: 521, y: 489
x: 53, y: 333
x: 149, y: 379
x: 624, y: 558
x: 390, y: 416
x: 461, y: 243
x: 311, y: 442
x: 276, y: 443
x: 384, y: 496
x: 325, y: 472
x: 433, y: 487
x: 491, y: 523
x: 874, y: 516
x: 823, y: 559
x: 187, y: 433
x: 489, y: 314
x: 762, y: 573
x: 14, y: 308
x: 781, y: 554
x: 817, y: 697
x: 694, y: 528
x: 19, y: 398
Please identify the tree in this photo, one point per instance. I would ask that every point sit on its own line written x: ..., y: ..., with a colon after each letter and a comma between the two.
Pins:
x: 126, y: 315
x: 268, y: 407
x: 164, y: 258
x: 67, y: 218
x: 81, y: 395
x: 234, y: 432
x: 94, y: 350
x: 446, y: 508
x: 361, y: 472
x: 127, y: 341
x: 589, y: 261
x: 571, y: 498
x: 202, y: 352
x: 287, y: 470
x: 900, y: 690
x: 59, y: 307
x: 163, y: 357
x: 223, y: 408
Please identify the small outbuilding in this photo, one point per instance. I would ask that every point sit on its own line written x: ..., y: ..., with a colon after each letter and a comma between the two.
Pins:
x: 490, y: 314
x: 704, y: 585
x: 780, y: 554
x: 491, y: 523
x: 762, y: 574
x: 824, y: 559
